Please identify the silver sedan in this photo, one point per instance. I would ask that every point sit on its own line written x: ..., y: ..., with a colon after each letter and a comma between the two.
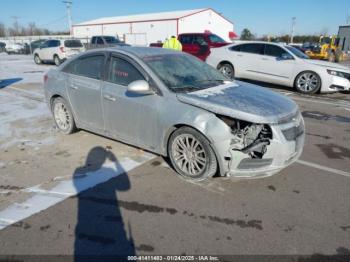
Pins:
x: 173, y: 104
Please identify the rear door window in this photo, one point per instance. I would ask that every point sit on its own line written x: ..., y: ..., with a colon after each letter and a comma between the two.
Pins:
x: 122, y: 72
x: 257, y: 49
x: 89, y: 66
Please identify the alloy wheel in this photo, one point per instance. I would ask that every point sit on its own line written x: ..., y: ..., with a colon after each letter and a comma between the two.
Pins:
x: 62, y: 116
x: 189, y: 155
x: 226, y: 70
x: 37, y: 59
x: 57, y: 61
x: 308, y: 82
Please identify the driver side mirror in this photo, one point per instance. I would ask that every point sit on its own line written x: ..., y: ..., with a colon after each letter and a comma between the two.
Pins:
x: 140, y: 87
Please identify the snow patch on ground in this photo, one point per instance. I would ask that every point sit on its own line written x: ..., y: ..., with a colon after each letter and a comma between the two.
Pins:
x: 21, y: 66
x: 18, y: 118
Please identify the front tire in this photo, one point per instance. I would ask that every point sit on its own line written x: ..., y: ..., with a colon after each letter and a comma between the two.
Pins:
x: 37, y: 59
x: 331, y: 57
x: 227, y: 70
x: 308, y: 82
x: 191, y: 155
x: 63, y: 116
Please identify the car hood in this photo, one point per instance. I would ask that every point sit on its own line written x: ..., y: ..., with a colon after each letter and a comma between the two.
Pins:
x: 242, y: 101
x: 326, y: 64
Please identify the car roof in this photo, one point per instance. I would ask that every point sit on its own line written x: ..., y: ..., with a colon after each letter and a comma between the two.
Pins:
x: 139, y: 52
x: 259, y: 42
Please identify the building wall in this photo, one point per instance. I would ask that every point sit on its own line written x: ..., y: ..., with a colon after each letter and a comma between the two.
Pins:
x: 137, y: 33
x: 144, y: 33
x: 207, y: 20
x: 344, y: 33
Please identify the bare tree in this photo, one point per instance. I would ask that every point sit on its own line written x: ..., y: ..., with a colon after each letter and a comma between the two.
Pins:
x: 31, y: 28
x: 2, y: 30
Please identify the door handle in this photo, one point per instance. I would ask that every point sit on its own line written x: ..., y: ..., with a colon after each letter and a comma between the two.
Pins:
x: 265, y: 59
x: 110, y: 98
x: 73, y: 87
x: 240, y: 55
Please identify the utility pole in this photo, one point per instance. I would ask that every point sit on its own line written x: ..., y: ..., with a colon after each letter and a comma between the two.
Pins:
x: 293, y: 29
x: 69, y: 14
x: 348, y: 20
x: 15, y: 24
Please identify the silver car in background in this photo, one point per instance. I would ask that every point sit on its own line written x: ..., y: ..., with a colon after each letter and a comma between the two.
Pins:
x: 175, y: 105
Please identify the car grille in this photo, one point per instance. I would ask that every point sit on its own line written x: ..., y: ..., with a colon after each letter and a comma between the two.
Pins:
x: 254, y: 163
x: 292, y: 133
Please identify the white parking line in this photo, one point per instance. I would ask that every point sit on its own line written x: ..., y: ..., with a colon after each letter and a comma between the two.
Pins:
x: 324, y: 168
x: 27, y: 92
x: 43, y: 199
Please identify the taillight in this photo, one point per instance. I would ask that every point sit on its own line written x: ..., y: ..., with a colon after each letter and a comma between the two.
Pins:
x: 62, y: 49
x: 45, y: 78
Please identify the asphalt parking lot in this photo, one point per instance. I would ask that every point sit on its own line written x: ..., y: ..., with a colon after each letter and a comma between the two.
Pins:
x: 86, y: 194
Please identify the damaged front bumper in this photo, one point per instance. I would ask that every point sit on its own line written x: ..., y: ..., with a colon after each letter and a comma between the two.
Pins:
x: 284, y: 149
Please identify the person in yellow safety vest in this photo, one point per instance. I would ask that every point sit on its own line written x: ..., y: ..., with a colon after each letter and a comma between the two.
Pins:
x: 173, y: 43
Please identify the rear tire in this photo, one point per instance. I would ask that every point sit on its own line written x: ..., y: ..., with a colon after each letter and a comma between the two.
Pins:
x: 227, y: 70
x: 191, y: 155
x: 57, y: 60
x: 338, y: 56
x: 37, y: 59
x: 63, y: 116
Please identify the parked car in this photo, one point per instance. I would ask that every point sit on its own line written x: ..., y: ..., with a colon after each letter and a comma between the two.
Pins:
x: 35, y: 44
x: 2, y: 47
x: 175, y: 105
x: 280, y: 64
x: 104, y: 41
x: 198, y: 44
x: 57, y: 51
x: 15, y: 48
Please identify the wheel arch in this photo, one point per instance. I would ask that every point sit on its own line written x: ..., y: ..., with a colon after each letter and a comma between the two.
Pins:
x: 175, y: 127
x: 58, y: 95
x: 225, y: 62
x: 306, y: 71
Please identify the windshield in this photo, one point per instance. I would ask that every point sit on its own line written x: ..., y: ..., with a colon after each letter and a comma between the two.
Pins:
x: 111, y: 40
x: 216, y: 39
x: 184, y: 73
x: 297, y: 52
x: 325, y: 40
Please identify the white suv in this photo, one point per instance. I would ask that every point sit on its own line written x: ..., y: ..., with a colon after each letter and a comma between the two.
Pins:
x: 57, y: 51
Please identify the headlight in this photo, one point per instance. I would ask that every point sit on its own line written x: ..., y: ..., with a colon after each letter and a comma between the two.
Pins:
x: 338, y: 73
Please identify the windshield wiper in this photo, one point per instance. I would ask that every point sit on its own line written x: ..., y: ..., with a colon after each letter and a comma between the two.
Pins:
x: 186, y: 89
x: 210, y: 80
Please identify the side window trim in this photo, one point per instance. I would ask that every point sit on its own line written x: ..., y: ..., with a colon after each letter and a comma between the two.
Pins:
x: 103, y: 73
x: 127, y: 59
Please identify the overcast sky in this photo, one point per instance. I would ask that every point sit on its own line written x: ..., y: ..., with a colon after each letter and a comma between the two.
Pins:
x: 261, y: 17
